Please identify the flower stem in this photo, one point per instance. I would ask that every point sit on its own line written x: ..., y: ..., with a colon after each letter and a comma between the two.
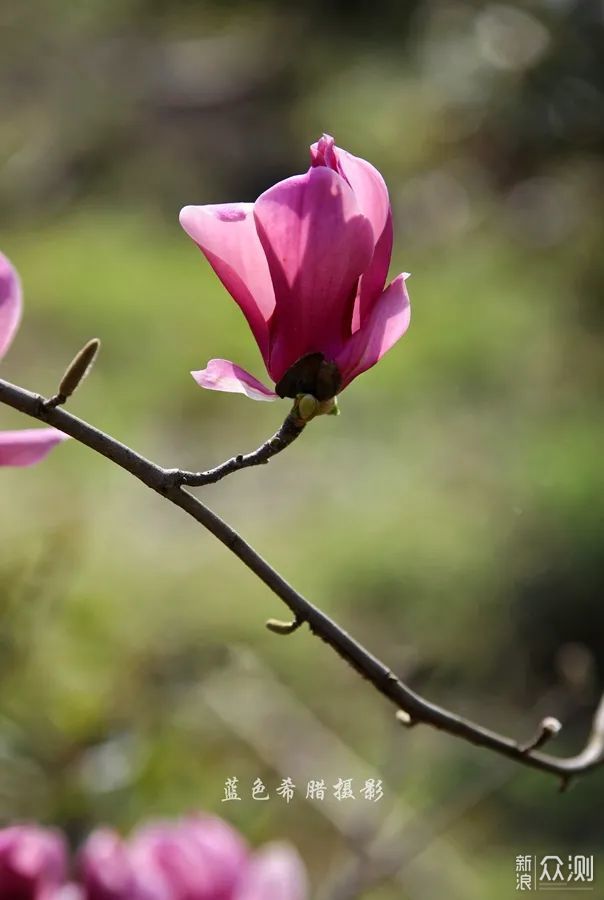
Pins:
x: 292, y: 427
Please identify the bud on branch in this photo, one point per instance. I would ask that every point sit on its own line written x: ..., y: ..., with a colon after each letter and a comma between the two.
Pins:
x: 75, y: 373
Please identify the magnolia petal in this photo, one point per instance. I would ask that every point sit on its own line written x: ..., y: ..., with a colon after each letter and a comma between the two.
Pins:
x: 29, y: 446
x: 10, y: 303
x: 145, y: 851
x: 220, y: 845
x: 68, y: 892
x: 275, y: 872
x: 33, y: 861
x: 323, y: 153
x: 372, y: 199
x: 388, y: 321
x: 372, y: 281
x: 104, y: 866
x: 366, y: 182
x: 172, y: 865
x: 227, y: 236
x: 223, y: 375
x: 317, y: 245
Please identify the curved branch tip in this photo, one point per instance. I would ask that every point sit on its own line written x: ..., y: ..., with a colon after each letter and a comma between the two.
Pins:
x: 548, y: 728
x: 278, y: 626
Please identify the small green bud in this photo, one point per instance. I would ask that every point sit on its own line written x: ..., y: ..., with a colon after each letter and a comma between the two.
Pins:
x: 331, y: 407
x: 307, y: 407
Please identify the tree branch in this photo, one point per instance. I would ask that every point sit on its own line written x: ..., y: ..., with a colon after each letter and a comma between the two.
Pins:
x: 418, y: 709
x: 292, y: 427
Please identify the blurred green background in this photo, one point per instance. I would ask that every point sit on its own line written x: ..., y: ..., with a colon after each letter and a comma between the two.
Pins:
x: 450, y: 518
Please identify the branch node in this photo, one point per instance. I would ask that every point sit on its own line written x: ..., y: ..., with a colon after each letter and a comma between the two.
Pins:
x: 548, y: 728
x: 170, y: 479
x: 565, y: 783
x: 54, y: 401
x: 277, y: 626
x: 403, y: 718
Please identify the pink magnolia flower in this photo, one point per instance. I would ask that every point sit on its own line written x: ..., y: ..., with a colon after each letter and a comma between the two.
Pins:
x: 198, y: 858
x: 33, y: 863
x: 105, y: 868
x: 307, y: 265
x: 30, y: 445
x: 275, y: 872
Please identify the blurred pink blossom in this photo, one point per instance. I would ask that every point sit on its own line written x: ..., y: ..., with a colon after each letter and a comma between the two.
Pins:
x: 197, y: 858
x: 275, y: 872
x: 33, y: 863
x: 30, y: 445
x: 307, y: 265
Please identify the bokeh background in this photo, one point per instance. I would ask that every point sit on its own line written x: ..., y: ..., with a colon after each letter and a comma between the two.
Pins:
x: 450, y: 518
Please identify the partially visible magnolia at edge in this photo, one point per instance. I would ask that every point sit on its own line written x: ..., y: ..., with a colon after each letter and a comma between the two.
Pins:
x: 33, y: 863
x: 199, y: 857
x: 307, y: 264
x: 29, y: 445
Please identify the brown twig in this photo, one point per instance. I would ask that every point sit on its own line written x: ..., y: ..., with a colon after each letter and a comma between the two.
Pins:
x: 292, y: 428
x: 548, y: 728
x: 379, y: 675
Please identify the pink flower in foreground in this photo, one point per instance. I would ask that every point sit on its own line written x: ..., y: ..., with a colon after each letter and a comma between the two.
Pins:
x: 32, y: 863
x: 198, y: 858
x: 307, y: 265
x: 275, y: 872
x: 28, y: 446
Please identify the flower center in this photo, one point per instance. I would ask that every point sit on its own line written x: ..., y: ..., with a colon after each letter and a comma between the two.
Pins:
x: 311, y: 374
